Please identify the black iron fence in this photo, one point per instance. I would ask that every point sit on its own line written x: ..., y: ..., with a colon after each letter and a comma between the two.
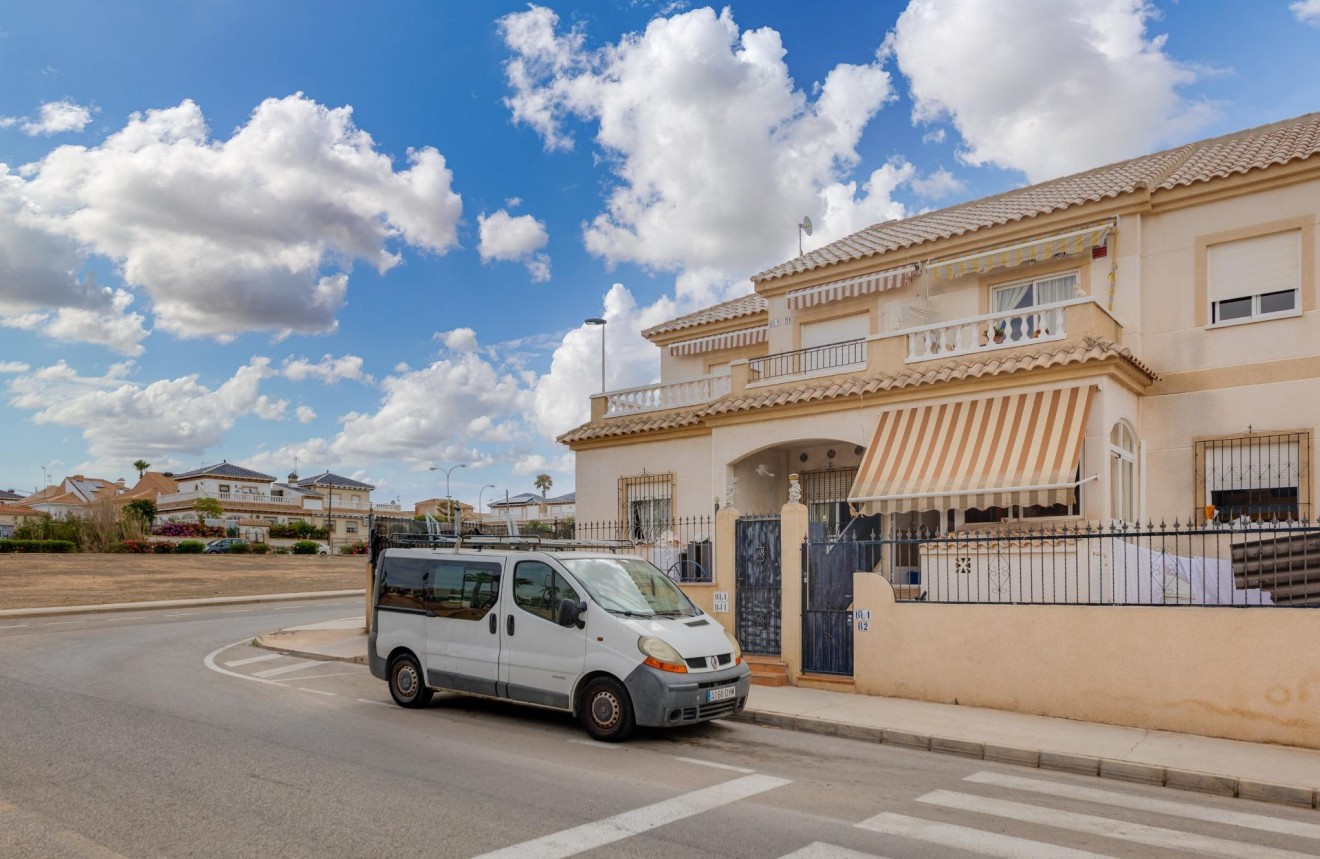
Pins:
x: 1246, y: 564
x: 807, y: 360
x: 682, y: 547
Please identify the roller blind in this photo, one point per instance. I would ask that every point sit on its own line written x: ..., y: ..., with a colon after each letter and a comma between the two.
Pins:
x: 1255, y: 266
x: 835, y: 331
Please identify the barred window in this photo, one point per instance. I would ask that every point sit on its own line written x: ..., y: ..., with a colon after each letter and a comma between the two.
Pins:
x: 646, y: 504
x: 1257, y: 476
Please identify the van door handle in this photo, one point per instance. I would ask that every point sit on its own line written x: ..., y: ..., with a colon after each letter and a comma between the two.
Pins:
x: 509, y: 625
x: 494, y: 618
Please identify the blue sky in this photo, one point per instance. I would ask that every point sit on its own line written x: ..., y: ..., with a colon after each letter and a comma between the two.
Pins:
x: 364, y: 237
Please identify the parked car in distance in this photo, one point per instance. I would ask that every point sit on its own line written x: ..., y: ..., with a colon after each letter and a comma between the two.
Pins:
x: 221, y: 546
x: 322, y: 548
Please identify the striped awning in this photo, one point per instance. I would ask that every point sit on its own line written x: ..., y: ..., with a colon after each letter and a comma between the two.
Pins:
x: 1033, y: 251
x: 992, y: 452
x: 716, y: 342
x: 865, y: 284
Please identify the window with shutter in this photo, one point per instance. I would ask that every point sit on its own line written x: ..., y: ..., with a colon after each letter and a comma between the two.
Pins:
x: 1256, y: 278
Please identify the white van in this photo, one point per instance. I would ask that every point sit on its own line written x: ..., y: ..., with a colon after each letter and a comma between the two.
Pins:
x: 605, y: 636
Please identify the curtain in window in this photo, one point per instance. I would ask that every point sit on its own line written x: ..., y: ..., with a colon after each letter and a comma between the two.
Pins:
x: 1055, y: 289
x: 1011, y: 298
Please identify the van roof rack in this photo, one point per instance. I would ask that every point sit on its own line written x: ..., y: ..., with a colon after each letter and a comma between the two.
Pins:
x: 534, y: 542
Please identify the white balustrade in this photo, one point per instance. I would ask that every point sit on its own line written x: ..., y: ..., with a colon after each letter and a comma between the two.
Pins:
x: 673, y: 395
x: 989, y: 332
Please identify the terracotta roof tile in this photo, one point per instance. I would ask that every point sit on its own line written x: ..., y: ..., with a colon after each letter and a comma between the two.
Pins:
x: 1089, y: 349
x: 747, y: 305
x: 1240, y: 152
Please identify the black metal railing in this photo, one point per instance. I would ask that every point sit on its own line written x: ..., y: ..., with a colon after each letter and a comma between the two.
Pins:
x: 808, y: 360
x: 1246, y: 564
x: 1260, y: 476
x: 683, y: 548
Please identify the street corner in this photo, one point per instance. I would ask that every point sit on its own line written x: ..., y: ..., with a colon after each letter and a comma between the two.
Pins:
x: 340, y: 640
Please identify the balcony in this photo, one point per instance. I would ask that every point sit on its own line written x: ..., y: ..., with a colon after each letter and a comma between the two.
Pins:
x: 890, y: 352
x: 651, y: 398
x: 237, y: 500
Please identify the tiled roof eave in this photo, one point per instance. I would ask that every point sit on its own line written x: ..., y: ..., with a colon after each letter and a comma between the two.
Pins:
x: 1090, y: 350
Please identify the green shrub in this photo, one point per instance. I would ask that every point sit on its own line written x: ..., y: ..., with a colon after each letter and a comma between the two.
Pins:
x: 239, y: 549
x: 164, y: 548
x: 117, y: 548
x: 305, y: 547
x: 299, y: 530
x: 190, y: 547
x: 281, y: 550
x: 260, y: 548
x: 48, y: 546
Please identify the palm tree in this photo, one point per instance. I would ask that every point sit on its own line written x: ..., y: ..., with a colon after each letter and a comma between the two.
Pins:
x: 141, y: 465
x: 543, y: 482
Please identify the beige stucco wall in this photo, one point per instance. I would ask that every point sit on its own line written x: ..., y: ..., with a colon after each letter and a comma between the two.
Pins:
x: 598, y: 471
x: 1246, y: 674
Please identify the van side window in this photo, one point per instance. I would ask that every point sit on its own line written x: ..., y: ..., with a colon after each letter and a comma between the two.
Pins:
x: 538, y: 589
x: 403, y: 582
x: 462, y: 589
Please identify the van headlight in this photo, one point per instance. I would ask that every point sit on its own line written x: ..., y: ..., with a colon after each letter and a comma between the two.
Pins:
x: 737, y: 650
x: 661, y: 654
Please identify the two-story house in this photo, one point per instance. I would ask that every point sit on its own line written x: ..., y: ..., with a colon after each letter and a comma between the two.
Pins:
x: 1136, y: 342
x: 326, y: 500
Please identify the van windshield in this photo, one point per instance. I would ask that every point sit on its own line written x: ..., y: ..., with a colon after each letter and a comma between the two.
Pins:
x: 630, y: 586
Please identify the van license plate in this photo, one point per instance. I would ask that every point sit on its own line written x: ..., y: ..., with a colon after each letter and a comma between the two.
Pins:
x: 722, y: 694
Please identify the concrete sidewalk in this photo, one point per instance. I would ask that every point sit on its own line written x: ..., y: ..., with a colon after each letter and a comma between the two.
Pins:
x: 1258, y: 771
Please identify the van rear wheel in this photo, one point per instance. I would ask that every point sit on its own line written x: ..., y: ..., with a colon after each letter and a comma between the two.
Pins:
x: 607, y: 711
x: 406, y: 685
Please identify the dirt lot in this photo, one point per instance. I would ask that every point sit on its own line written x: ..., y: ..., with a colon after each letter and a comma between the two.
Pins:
x: 38, y: 580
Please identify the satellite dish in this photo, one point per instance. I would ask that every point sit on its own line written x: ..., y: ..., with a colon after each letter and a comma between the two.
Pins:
x: 804, y: 227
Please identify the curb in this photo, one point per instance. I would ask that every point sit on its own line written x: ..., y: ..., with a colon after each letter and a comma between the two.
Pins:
x: 260, y: 641
x: 1219, y: 785
x: 184, y: 603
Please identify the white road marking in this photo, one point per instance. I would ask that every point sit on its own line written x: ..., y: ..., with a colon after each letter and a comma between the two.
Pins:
x: 317, y: 691
x: 12, y: 625
x: 1143, y: 803
x: 235, y: 610
x: 251, y: 659
x: 369, y: 701
x: 287, y: 669
x: 589, y: 836
x: 821, y: 850
x: 179, y: 613
x: 318, y: 677
x: 209, y: 662
x: 713, y: 764
x: 596, y: 744
x: 972, y: 840
x: 62, y: 622
x: 1153, y: 836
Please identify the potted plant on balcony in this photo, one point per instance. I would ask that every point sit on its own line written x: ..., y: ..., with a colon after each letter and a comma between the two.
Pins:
x: 997, y: 332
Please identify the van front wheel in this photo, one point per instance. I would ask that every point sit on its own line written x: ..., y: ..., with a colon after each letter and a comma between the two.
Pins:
x: 406, y: 684
x: 607, y: 711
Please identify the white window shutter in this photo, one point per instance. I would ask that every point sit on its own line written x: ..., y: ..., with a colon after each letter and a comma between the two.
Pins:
x: 835, y: 331
x: 1255, y: 266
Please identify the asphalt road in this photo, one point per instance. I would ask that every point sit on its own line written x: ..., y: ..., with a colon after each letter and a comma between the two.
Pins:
x: 118, y: 737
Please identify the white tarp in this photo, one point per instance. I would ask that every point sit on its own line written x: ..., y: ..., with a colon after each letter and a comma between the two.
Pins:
x: 1158, y: 578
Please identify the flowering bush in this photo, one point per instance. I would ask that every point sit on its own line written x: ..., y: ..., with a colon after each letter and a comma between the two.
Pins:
x: 135, y: 547
x: 186, y: 529
x: 358, y: 548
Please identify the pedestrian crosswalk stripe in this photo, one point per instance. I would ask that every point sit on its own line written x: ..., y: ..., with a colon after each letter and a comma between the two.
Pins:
x: 286, y: 669
x: 1152, y: 836
x: 1144, y: 803
x: 821, y: 850
x: 590, y: 836
x: 252, y: 659
x: 973, y: 840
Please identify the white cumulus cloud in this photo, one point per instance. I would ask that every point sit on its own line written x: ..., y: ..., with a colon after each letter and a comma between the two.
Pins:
x: 121, y: 419
x: 328, y: 370
x: 305, y: 414
x: 715, y: 153
x: 253, y: 232
x: 1051, y: 87
x: 514, y: 238
x: 1307, y: 11
x: 937, y: 185
x: 53, y: 117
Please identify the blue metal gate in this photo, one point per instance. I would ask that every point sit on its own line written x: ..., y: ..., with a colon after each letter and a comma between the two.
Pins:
x: 757, y: 576
x: 828, y: 565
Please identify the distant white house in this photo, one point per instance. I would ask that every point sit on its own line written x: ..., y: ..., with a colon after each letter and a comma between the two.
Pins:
x: 530, y: 507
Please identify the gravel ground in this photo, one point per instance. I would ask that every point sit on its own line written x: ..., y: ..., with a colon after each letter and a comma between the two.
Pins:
x: 39, y: 580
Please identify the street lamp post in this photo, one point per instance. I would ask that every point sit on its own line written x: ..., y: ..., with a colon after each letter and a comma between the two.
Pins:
x: 596, y: 320
x: 479, y: 494
x: 449, y: 502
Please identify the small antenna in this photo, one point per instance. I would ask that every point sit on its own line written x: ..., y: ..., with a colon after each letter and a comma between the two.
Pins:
x: 804, y: 227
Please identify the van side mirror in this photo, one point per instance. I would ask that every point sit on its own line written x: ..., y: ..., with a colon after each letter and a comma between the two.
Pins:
x: 570, y: 612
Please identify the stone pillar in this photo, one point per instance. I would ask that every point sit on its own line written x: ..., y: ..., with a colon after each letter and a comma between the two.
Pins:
x: 726, y: 545
x: 738, y: 376
x: 599, y: 404
x: 792, y: 534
